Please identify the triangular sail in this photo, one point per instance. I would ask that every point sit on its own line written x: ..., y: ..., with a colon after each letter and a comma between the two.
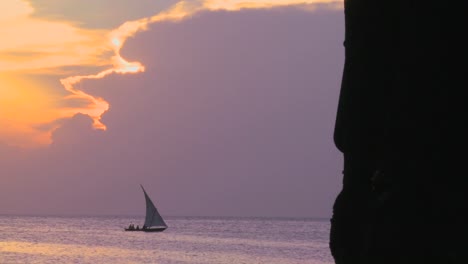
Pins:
x: 153, y: 218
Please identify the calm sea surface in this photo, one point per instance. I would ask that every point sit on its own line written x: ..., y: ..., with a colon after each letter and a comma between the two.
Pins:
x: 187, y: 240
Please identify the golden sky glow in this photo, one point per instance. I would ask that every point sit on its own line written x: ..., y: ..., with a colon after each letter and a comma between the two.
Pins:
x: 29, y: 110
x: 23, y: 106
x: 32, y: 44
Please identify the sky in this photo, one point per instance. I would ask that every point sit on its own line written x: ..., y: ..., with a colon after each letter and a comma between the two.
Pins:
x: 218, y: 107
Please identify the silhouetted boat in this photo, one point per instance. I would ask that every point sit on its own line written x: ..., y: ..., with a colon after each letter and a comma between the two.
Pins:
x: 153, y: 220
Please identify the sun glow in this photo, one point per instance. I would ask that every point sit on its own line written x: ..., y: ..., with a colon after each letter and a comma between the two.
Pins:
x: 24, y: 107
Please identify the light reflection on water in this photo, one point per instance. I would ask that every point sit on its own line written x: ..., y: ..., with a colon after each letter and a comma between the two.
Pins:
x: 188, y: 240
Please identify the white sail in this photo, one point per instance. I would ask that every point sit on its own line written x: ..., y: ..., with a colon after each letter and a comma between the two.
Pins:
x: 153, y: 218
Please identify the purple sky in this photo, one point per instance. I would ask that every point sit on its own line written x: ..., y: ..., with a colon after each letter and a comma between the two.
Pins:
x: 234, y: 116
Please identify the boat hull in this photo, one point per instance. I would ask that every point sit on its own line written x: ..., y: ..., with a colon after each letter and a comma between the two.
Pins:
x: 149, y: 230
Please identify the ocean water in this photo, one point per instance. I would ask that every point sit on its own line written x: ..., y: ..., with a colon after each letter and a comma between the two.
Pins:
x: 187, y: 241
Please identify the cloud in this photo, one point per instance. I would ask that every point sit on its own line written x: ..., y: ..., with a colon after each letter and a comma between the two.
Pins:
x: 179, y: 11
x: 58, y: 44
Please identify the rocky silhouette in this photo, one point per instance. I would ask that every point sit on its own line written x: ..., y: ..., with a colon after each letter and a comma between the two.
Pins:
x: 401, y: 126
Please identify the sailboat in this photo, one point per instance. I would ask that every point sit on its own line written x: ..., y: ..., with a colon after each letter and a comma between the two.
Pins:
x: 153, y: 220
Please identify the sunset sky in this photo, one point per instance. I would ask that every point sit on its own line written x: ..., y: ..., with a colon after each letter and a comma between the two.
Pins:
x: 218, y: 107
